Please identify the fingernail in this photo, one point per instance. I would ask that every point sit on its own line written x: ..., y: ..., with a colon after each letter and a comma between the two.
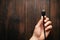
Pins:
x: 41, y: 17
x: 44, y: 25
x: 44, y: 20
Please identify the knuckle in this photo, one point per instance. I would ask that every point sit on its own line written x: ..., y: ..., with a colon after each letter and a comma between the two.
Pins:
x: 47, y: 18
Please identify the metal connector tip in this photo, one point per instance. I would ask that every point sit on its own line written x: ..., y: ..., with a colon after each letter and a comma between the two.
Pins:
x: 43, y: 12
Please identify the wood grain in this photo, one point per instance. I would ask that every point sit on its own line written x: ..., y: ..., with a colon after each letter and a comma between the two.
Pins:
x: 19, y: 17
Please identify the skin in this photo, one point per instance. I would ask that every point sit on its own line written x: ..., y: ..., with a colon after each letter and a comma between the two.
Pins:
x: 38, y: 33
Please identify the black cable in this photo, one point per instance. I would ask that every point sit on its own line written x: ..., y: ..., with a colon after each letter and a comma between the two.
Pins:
x: 43, y: 14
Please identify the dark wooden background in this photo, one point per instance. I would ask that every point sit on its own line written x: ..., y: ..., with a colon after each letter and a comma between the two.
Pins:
x: 19, y: 17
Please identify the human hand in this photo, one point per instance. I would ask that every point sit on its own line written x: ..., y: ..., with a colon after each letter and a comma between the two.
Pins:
x: 38, y: 33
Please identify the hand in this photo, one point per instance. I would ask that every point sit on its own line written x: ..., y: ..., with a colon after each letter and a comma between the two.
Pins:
x: 38, y: 33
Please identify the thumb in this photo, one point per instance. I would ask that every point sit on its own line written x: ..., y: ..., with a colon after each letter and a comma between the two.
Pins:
x: 40, y: 21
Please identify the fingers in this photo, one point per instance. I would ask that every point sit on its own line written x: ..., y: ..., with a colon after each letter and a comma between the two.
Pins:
x: 47, y: 33
x: 48, y: 28
x: 47, y: 23
x: 46, y: 19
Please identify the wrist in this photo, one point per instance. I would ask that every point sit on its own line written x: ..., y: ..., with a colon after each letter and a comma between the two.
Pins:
x: 33, y: 38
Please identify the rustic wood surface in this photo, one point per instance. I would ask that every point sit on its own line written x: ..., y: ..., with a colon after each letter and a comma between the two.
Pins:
x: 19, y: 17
